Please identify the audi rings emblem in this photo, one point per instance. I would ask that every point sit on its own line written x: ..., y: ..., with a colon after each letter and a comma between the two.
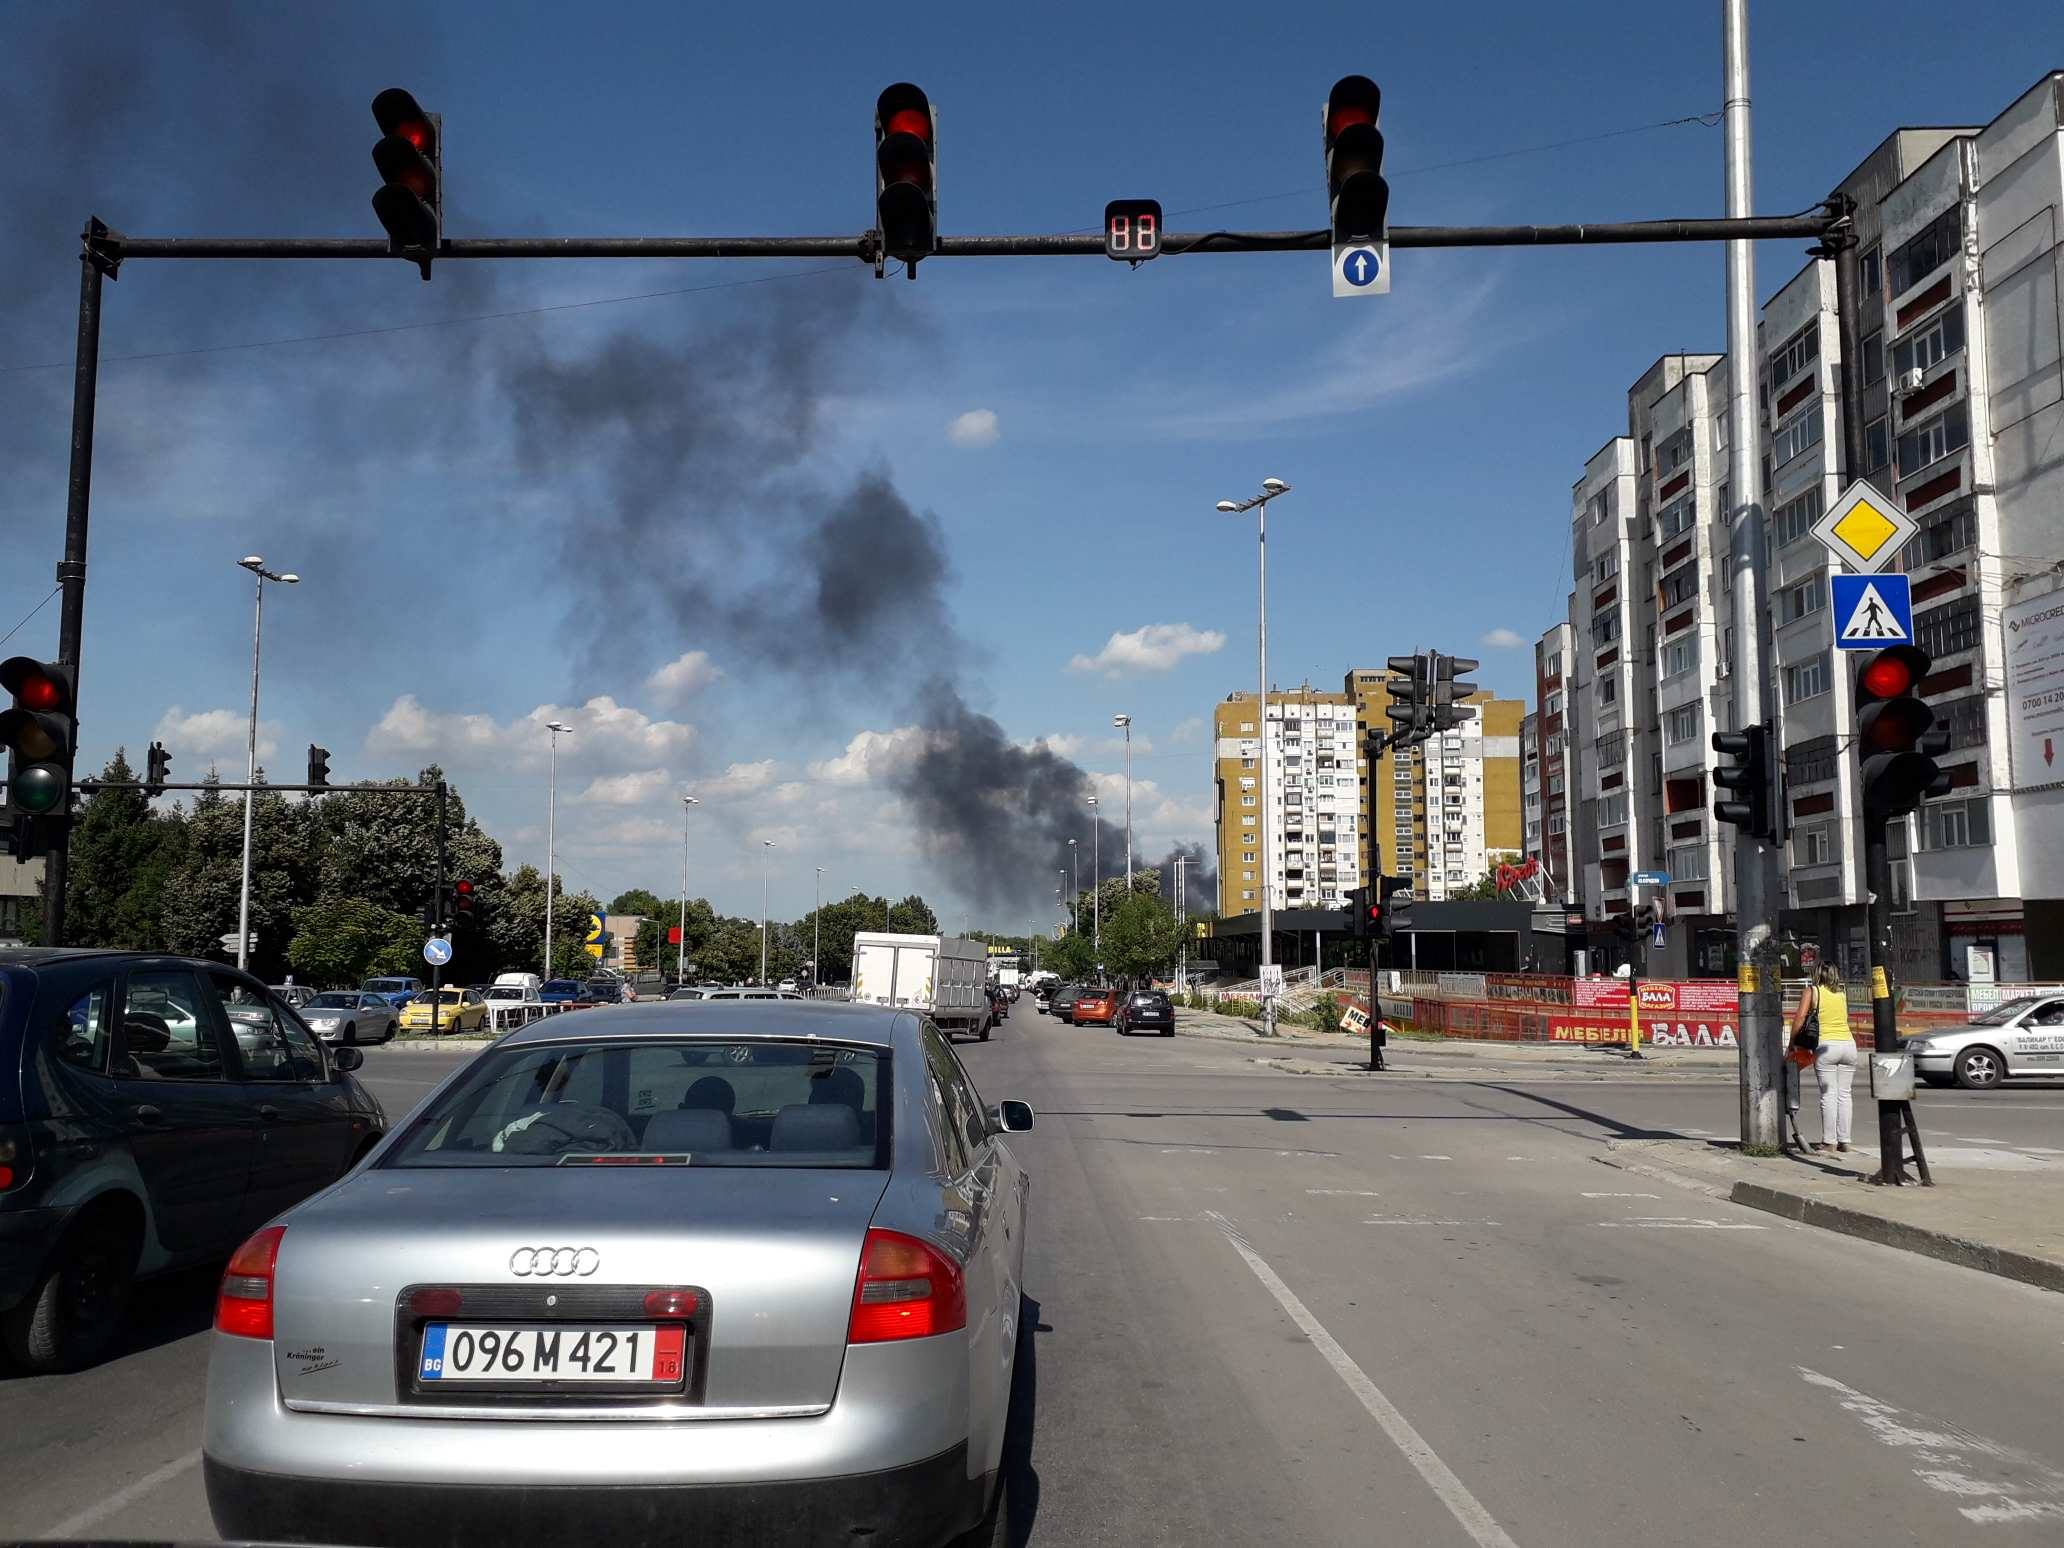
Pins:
x: 563, y: 1262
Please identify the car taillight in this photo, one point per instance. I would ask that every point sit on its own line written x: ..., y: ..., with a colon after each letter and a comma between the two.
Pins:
x: 907, y: 1289
x: 244, y: 1304
x: 14, y: 1158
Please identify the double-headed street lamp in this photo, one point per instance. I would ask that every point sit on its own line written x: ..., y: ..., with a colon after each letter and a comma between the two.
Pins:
x: 1270, y: 489
x: 688, y: 803
x: 1124, y: 723
x: 557, y: 729
x: 255, y: 563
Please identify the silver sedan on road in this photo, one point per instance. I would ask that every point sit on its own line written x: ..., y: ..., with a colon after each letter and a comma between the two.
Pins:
x: 686, y: 1272
x: 347, y: 1016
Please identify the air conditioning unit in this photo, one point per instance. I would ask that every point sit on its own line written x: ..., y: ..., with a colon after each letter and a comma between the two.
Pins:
x: 1910, y: 381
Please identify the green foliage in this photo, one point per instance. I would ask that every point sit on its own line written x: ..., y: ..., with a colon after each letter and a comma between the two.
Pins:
x: 1483, y: 890
x: 123, y: 856
x: 1071, y: 956
x: 347, y: 940
x: 643, y: 902
x: 1141, y: 935
x: 913, y: 916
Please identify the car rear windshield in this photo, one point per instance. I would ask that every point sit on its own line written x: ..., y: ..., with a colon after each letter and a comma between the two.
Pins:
x: 386, y: 985
x: 1149, y: 997
x: 692, y: 1102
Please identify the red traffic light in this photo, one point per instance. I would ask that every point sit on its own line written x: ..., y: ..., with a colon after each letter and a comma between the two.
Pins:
x: 1893, y: 671
x: 1355, y: 99
x: 905, y: 164
x: 397, y: 113
x: 1375, y: 913
x: 35, y: 685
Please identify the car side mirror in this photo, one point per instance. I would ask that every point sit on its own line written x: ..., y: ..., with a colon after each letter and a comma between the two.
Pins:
x: 1011, y: 1117
x: 346, y: 1059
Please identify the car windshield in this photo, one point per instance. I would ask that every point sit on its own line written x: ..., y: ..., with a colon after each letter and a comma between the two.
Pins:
x: 385, y: 985
x: 335, y: 1000
x: 562, y: 985
x: 443, y: 997
x: 2002, y: 1014
x: 687, y: 1102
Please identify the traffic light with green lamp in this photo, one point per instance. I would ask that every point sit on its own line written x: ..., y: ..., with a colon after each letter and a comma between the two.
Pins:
x: 40, y: 731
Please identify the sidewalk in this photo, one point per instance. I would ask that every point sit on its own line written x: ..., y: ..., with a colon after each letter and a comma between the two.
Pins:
x: 1446, y: 1054
x: 2001, y: 1220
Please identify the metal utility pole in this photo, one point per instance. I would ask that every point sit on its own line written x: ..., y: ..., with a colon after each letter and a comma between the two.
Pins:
x: 1758, y: 880
x: 1270, y: 489
x: 1124, y: 723
x: 1096, y: 885
x: 551, y: 833
x: 817, y: 934
x: 1075, y: 897
x: 1182, y: 917
x: 688, y: 804
x: 255, y: 563
x: 765, y: 844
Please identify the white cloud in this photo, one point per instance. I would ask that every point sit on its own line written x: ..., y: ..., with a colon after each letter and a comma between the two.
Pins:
x: 1062, y: 744
x: 1187, y: 732
x: 212, y: 734
x: 1149, y: 648
x: 682, y: 678
x: 872, y: 756
x: 605, y: 735
x: 737, y: 779
x: 1502, y: 638
x: 632, y: 789
x: 977, y: 427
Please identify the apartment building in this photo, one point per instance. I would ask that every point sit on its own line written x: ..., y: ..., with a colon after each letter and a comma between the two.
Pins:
x: 1547, y: 787
x: 1963, y: 402
x: 1333, y: 824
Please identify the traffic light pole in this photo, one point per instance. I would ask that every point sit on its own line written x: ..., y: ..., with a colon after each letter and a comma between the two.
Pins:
x: 437, y: 968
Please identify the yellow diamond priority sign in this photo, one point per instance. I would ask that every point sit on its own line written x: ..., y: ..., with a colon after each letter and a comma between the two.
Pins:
x: 1865, y: 529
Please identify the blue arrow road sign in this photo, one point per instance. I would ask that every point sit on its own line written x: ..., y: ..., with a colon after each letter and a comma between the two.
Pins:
x: 437, y: 951
x: 1872, y: 611
x: 1361, y: 267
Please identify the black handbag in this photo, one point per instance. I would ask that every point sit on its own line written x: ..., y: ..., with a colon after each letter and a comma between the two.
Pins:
x: 1807, y: 1038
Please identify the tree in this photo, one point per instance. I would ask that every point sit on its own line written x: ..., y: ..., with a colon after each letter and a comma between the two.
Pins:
x: 655, y: 950
x: 1483, y: 889
x: 201, y: 896
x: 514, y: 935
x: 123, y: 855
x: 342, y: 941
x: 1141, y: 937
x: 642, y: 902
x: 1071, y: 956
x: 913, y: 916
x: 732, y: 954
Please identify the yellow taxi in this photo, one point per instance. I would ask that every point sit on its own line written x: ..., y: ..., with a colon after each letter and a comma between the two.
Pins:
x: 458, y: 1010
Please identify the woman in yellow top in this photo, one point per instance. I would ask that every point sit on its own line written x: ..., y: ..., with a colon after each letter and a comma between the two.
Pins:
x: 1835, y: 1069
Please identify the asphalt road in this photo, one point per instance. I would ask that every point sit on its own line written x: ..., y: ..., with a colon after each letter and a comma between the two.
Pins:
x: 1337, y: 1310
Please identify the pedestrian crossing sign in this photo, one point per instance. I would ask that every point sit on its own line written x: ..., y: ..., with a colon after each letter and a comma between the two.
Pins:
x: 1872, y: 611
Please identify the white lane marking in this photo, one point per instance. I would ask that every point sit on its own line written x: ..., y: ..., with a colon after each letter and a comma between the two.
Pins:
x: 122, y: 1499
x: 1436, y: 1158
x: 1678, y: 1223
x: 1465, y: 1507
x: 1951, y: 1453
x: 1422, y: 1220
x: 1623, y: 1195
x: 1349, y: 1193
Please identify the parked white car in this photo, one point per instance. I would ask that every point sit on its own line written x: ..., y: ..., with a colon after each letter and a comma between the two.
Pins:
x: 512, y: 1004
x: 2020, y: 1037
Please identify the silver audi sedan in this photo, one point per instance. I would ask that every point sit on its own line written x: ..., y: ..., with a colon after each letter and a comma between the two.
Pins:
x: 719, y: 1272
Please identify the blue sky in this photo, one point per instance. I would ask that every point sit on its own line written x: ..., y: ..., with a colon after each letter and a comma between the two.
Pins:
x: 458, y: 589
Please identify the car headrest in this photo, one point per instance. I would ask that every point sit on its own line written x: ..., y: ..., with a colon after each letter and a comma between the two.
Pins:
x: 712, y: 1091
x: 842, y: 1086
x: 147, y: 1032
x: 689, y: 1129
x: 823, y: 1126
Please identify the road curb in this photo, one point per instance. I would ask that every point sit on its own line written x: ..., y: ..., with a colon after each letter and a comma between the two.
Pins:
x: 1663, y: 1174
x: 2003, y: 1261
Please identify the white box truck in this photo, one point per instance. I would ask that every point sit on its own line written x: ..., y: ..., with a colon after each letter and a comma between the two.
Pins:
x: 941, y: 975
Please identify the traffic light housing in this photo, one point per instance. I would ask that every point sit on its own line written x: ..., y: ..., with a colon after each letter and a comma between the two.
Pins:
x: 1446, y: 689
x: 1358, y: 197
x: 410, y: 160
x: 1409, y: 701
x: 1354, y: 914
x: 1755, y: 808
x: 1393, y: 905
x: 157, y: 764
x: 1894, y: 733
x: 906, y: 165
x: 40, y: 731
x: 463, y: 900
x: 318, y: 765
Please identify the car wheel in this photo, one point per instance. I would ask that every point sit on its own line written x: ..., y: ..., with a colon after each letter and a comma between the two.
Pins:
x: 77, y: 1305
x: 1929, y: 1077
x: 1978, y: 1068
x: 350, y: 1033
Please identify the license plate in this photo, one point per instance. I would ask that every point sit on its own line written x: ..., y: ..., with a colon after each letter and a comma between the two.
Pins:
x: 650, y: 1353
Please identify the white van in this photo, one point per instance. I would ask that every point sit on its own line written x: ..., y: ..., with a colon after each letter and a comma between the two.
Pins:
x: 519, y: 980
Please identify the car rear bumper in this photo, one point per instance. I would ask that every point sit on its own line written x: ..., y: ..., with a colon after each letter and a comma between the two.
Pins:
x: 923, y: 1504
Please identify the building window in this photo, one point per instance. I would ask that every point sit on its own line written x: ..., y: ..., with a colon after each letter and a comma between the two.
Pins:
x: 1942, y: 534
x: 1928, y: 251
x: 1247, y: 800
x: 1246, y: 859
x: 1600, y: 506
x: 1605, y: 626
x: 1877, y: 446
x: 1964, y: 720
x: 1680, y: 585
x: 1795, y: 518
x: 1556, y: 823
x: 1555, y: 784
x: 1247, y: 726
x: 1555, y: 657
x: 1801, y: 352
x: 1247, y: 784
x: 1814, y: 844
x: 1943, y: 631
x: 1612, y: 750
x: 1554, y: 744
x: 1806, y: 680
x: 1612, y: 810
x: 1681, y: 725
x: 1932, y: 345
x: 1874, y: 359
x: 1676, y: 517
x: 1680, y: 655
x: 1873, y: 271
x: 1247, y: 897
x: 1957, y: 824
x: 1608, y: 690
x: 1925, y: 445
x: 1247, y: 822
x: 1687, y: 862
x: 1246, y: 876
x: 1796, y: 434
x: 1811, y: 763
x: 1674, y: 452
x: 1796, y: 602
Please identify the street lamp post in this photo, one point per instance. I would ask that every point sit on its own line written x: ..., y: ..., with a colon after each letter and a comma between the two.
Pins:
x: 1075, y: 897
x: 556, y: 728
x: 688, y: 802
x: 765, y: 844
x: 1096, y: 884
x: 255, y: 563
x: 1124, y: 723
x: 817, y: 935
x: 1270, y: 489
